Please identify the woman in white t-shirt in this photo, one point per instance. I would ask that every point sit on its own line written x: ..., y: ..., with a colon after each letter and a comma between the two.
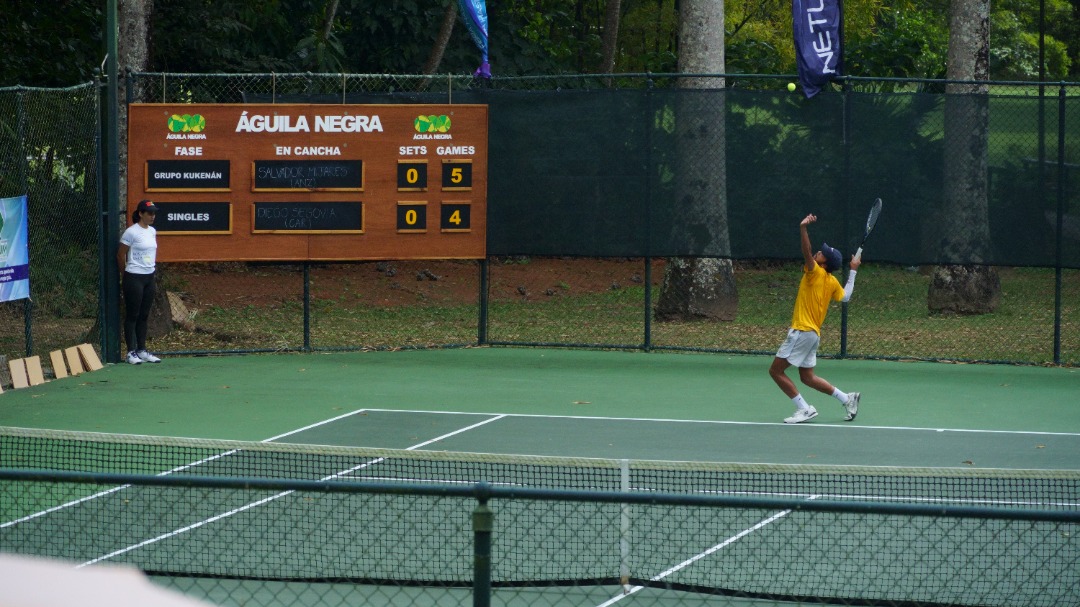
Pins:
x: 138, y: 258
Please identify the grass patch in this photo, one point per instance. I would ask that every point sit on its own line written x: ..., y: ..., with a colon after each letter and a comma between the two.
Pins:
x: 887, y: 318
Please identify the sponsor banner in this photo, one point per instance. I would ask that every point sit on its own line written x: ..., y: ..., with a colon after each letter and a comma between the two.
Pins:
x: 474, y: 14
x: 14, y: 249
x: 816, y: 25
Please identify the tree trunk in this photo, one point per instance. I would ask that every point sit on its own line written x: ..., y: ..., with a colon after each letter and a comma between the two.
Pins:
x: 160, y: 323
x: 701, y: 287
x: 971, y: 288
x: 134, y: 40
x: 581, y: 33
x: 698, y: 288
x: 328, y: 22
x: 134, y: 18
x: 438, y: 48
x: 133, y: 43
x: 610, y: 36
x: 964, y: 289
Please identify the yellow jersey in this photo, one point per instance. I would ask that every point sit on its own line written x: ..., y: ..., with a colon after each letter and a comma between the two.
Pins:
x: 817, y: 290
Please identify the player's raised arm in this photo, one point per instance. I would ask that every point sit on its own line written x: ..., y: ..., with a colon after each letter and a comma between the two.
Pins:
x: 807, y: 252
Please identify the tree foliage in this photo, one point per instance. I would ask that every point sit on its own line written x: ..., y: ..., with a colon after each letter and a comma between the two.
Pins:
x: 904, y: 43
x: 51, y: 43
x: 62, y: 43
x: 1014, y: 38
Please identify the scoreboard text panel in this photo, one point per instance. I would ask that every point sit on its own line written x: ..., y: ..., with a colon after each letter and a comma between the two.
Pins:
x: 311, y: 182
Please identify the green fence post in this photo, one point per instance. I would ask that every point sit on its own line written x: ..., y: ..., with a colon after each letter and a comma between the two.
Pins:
x: 103, y: 243
x: 307, y: 306
x: 647, y: 346
x: 650, y: 122
x: 110, y: 203
x: 483, y: 520
x: 1060, y: 223
x: 482, y: 321
x: 846, y: 142
x: 20, y: 112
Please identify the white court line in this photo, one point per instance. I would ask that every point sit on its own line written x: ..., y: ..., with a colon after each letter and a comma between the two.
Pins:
x: 35, y: 515
x: 166, y: 473
x: 733, y: 423
x: 267, y: 500
x: 315, y: 425
x: 698, y: 557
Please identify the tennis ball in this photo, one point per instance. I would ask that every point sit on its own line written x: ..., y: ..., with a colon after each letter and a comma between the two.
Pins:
x: 791, y: 86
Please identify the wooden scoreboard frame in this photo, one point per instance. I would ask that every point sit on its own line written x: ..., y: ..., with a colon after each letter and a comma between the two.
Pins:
x: 290, y: 182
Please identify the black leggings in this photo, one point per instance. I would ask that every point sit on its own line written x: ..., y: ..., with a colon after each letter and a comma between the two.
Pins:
x: 138, y: 297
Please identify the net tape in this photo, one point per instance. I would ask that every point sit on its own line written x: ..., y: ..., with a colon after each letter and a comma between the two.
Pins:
x: 102, y: 452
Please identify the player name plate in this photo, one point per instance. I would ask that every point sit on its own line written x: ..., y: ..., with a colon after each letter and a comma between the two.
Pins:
x: 308, y: 175
x: 194, y: 218
x: 308, y: 217
x: 187, y: 175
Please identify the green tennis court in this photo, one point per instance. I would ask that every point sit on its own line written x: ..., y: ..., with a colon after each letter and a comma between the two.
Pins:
x: 256, y: 397
x: 1003, y: 437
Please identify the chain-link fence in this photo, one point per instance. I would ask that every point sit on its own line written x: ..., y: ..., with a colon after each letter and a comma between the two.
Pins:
x: 49, y: 151
x: 677, y: 188
x: 248, y: 541
x: 266, y: 523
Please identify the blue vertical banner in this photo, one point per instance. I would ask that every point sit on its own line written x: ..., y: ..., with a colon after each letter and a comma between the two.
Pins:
x: 816, y: 26
x: 14, y: 249
x: 474, y: 14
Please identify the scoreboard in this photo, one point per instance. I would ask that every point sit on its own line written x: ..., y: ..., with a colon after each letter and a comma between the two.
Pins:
x: 268, y: 182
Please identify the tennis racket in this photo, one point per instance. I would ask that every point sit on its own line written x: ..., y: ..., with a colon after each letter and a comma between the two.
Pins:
x: 875, y: 211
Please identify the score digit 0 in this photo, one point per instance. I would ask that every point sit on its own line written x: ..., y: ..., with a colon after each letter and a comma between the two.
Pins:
x: 411, y: 217
x: 412, y: 175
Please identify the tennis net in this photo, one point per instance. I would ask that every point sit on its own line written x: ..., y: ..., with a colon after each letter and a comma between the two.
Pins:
x: 99, y: 452
x: 672, y: 527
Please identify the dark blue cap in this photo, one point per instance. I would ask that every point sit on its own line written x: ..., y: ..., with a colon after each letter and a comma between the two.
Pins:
x: 833, y: 258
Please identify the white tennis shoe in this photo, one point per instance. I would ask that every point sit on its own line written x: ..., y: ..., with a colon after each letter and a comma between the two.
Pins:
x: 801, y: 415
x: 133, y: 358
x: 852, y: 405
x: 146, y: 357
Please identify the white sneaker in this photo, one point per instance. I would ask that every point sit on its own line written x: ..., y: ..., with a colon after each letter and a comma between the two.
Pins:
x: 133, y: 358
x: 147, y: 357
x: 801, y: 415
x: 852, y: 405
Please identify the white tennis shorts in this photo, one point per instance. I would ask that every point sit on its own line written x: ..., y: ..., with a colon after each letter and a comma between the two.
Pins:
x: 800, y: 348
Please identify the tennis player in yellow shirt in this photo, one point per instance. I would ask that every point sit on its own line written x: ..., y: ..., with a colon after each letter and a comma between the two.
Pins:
x: 817, y: 290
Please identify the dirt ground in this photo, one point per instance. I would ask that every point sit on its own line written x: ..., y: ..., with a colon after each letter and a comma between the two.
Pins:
x: 394, y: 283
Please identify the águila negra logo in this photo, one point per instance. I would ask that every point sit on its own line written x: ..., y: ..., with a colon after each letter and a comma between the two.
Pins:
x: 187, y: 123
x: 432, y: 124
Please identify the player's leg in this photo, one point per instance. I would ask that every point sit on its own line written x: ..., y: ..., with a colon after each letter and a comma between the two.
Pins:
x: 132, y: 304
x: 850, y: 401
x: 811, y: 379
x: 148, y: 292
x: 791, y: 352
x: 146, y: 299
x: 803, y: 410
x: 777, y: 372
